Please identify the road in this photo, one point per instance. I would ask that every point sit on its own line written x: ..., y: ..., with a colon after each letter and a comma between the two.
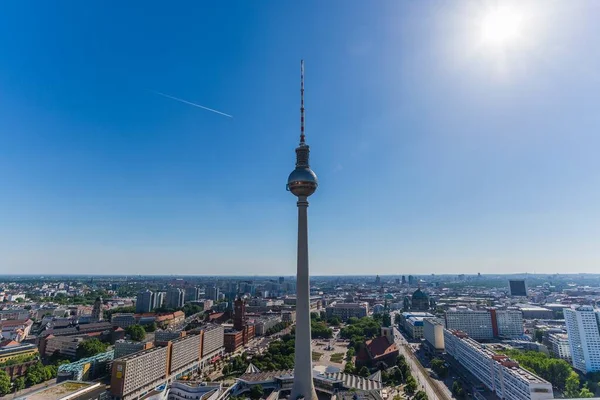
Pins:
x: 434, y: 390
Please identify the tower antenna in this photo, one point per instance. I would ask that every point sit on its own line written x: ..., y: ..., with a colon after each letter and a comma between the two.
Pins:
x: 301, y: 101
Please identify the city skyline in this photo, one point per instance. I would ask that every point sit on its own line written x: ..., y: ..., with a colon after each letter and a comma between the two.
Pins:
x: 470, y: 157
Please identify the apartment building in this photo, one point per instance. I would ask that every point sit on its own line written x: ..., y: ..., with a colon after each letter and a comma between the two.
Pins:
x: 123, y: 320
x: 584, y: 337
x: 559, y: 346
x: 412, y: 323
x: 485, y: 324
x: 137, y: 374
x: 496, y: 371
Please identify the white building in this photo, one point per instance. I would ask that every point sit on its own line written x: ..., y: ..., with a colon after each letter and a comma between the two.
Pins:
x: 412, y: 322
x: 496, y: 371
x: 476, y: 323
x: 509, y: 322
x: 433, y: 331
x: 584, y: 337
x: 559, y: 345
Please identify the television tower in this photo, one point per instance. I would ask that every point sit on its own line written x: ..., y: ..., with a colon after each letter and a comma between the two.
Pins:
x: 302, y: 182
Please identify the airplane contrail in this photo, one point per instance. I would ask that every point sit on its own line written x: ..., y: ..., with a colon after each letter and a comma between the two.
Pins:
x: 190, y: 103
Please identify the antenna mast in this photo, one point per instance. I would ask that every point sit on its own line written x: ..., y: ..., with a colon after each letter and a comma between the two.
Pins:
x: 301, y: 101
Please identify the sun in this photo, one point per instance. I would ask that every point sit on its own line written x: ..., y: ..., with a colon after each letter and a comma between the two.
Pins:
x: 501, y: 27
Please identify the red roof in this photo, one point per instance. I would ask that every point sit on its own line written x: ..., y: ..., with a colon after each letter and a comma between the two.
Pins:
x: 178, y: 314
x: 376, y: 348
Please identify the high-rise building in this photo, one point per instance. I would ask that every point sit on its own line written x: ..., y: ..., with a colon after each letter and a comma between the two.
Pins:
x: 281, y: 279
x: 411, y: 280
x: 191, y: 293
x: 144, y: 302
x: 433, y: 332
x: 496, y: 371
x: 302, y: 182
x: 159, y: 299
x: 175, y: 297
x: 97, y: 310
x: 212, y: 293
x: 517, y: 287
x: 404, y: 279
x: 239, y: 314
x: 584, y: 337
x: 558, y: 345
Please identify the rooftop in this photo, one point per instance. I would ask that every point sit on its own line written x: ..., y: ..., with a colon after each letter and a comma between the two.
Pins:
x: 64, y: 390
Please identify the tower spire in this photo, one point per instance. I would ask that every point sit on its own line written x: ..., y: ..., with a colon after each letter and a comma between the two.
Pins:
x: 301, y: 101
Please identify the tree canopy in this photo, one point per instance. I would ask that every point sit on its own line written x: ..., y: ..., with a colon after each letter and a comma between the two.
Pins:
x: 89, y: 348
x: 4, y: 383
x: 136, y: 332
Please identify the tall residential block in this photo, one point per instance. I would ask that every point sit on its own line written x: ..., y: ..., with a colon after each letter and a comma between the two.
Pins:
x: 175, y: 297
x: 584, y: 337
x: 486, y: 324
x: 144, y: 301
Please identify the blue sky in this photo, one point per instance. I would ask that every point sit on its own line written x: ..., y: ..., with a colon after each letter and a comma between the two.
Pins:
x: 436, y: 153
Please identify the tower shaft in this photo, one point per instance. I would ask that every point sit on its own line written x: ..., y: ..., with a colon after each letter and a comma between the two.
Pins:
x: 303, y: 379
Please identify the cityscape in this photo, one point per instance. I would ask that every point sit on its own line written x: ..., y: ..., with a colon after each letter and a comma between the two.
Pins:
x: 160, y: 256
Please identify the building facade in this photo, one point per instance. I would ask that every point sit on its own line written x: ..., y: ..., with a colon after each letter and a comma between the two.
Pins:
x: 126, y: 347
x: 433, y: 332
x: 584, y: 337
x: 347, y: 310
x: 486, y: 324
x: 558, y: 345
x: 496, y: 371
x: 144, y: 301
x: 175, y: 297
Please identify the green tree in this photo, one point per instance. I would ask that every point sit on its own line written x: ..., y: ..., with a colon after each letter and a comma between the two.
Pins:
x: 349, y: 368
x: 4, y: 383
x: 151, y: 327
x: 136, y: 332
x: 585, y: 392
x: 539, y: 335
x: 320, y: 330
x: 89, y: 348
x: 334, y: 321
x: 411, y: 386
x: 572, y: 385
x: 439, y: 367
x: 19, y: 384
x: 364, y: 372
x: 256, y: 392
x: 420, y: 395
x: 35, y: 374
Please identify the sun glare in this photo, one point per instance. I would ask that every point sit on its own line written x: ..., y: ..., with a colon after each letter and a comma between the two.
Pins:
x: 501, y: 27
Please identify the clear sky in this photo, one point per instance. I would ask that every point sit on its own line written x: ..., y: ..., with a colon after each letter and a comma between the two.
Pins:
x: 440, y: 147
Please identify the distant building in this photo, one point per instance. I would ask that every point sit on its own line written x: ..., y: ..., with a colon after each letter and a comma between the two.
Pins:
x: 531, y: 311
x: 412, y: 323
x: 175, y: 298
x: 144, y: 301
x: 212, y: 293
x: 347, y: 310
x: 419, y: 301
x: 485, y: 324
x: 191, y: 294
x: 10, y: 349
x: 584, y: 337
x: 496, y: 371
x: 411, y: 280
x: 159, y: 299
x: 123, y: 320
x: 517, y: 288
x: 403, y: 279
x: 66, y: 346
x: 127, y: 347
x: 559, y: 346
x: 97, y: 310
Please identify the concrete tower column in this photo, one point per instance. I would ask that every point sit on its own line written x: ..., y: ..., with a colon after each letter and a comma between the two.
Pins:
x: 303, y: 379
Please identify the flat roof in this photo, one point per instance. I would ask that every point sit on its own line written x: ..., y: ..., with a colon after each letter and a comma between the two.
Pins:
x: 66, y: 389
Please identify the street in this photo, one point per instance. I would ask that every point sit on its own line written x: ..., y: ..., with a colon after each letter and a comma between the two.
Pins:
x: 433, y: 389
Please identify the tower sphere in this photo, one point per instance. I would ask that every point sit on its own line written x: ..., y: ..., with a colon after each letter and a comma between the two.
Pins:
x: 302, y: 182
